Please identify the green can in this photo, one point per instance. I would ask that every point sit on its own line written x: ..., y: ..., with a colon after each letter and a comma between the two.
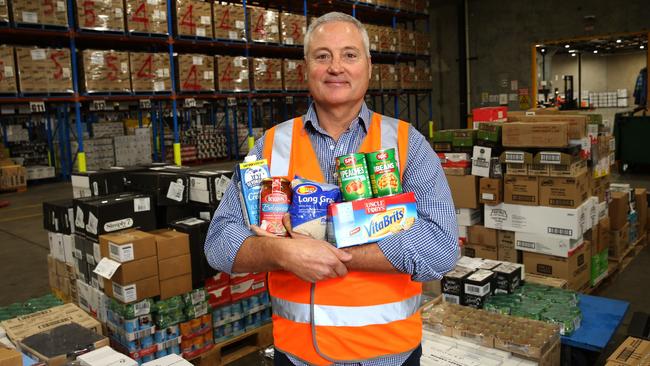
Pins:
x: 353, y: 177
x: 384, y: 173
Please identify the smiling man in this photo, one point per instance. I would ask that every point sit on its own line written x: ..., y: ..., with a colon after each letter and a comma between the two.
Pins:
x: 358, y: 305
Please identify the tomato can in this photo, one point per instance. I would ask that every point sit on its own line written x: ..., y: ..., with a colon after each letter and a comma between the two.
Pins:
x: 353, y: 177
x: 384, y: 173
x: 275, y: 198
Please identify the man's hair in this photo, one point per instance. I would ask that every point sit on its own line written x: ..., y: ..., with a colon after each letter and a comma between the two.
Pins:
x: 337, y: 17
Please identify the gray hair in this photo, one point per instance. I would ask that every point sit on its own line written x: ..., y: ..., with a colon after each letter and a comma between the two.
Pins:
x: 337, y: 17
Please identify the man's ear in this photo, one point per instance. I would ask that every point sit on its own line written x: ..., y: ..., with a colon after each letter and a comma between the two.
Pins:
x: 369, y: 69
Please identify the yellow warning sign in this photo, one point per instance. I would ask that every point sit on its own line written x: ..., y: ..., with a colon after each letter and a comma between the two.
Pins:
x: 524, y: 102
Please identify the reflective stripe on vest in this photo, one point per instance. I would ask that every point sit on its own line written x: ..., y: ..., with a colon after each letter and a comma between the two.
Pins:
x: 281, y: 153
x: 346, y: 316
x: 389, y: 135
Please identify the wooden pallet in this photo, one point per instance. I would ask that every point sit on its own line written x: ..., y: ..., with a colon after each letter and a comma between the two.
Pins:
x: 233, y: 349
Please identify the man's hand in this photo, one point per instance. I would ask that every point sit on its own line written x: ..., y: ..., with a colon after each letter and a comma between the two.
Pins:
x: 310, y: 259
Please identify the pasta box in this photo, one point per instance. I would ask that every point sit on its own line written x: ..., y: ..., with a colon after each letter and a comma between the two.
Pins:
x: 370, y: 220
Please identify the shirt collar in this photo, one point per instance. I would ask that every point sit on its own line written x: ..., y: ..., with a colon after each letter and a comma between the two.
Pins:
x: 311, y: 118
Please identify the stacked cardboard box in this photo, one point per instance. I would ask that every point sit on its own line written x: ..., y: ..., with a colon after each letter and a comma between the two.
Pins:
x: 174, y: 269
x: 101, y: 15
x: 425, y: 76
x: 389, y: 76
x: 229, y: 21
x: 45, y: 13
x: 100, y: 153
x: 267, y: 74
x: 194, y: 18
x: 422, y: 43
x: 407, y: 41
x: 489, y: 115
x: 388, y: 39
x: 63, y: 279
x: 408, y: 76
x: 196, y: 72
x: 264, y: 25
x: 4, y: 12
x: 146, y: 16
x: 132, y: 150
x: 295, y: 77
x: 13, y: 177
x: 106, y: 71
x: 150, y: 72
x: 233, y: 73
x: 44, y: 70
x: 293, y: 28
x: 374, y: 35
x: 394, y: 4
x: 7, y: 70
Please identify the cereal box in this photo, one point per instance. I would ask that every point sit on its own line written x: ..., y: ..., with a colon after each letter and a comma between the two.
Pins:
x: 370, y: 220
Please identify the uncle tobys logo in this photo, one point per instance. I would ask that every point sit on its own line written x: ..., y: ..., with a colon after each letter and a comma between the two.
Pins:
x: 382, y: 224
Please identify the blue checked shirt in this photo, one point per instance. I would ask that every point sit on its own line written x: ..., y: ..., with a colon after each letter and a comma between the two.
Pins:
x: 426, y: 251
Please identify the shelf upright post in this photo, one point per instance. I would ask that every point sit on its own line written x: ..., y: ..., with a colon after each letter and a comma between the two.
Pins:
x: 235, y: 128
x: 154, y: 131
x: 170, y: 41
x: 396, y: 97
x: 60, y: 122
x: 226, y: 129
x: 66, y: 140
x: 50, y: 145
x: 81, y: 154
x: 429, y: 91
x: 139, y: 117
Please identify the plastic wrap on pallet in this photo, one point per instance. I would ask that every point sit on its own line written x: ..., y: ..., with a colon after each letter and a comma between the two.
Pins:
x: 390, y: 76
x: 194, y: 18
x: 267, y: 74
x: 106, y: 71
x: 294, y: 74
x: 264, y: 25
x: 233, y: 73
x: 196, y: 72
x: 7, y: 70
x: 44, y: 70
x: 53, y: 13
x: 147, y: 16
x: 229, y: 21
x: 293, y: 28
x: 106, y: 15
x: 150, y: 72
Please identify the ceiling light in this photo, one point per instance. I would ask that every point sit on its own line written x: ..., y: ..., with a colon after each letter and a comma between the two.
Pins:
x: 595, y: 51
x: 642, y: 47
x: 573, y: 54
x: 572, y: 51
x: 618, y: 41
x: 543, y: 50
x: 566, y: 46
x: 538, y: 45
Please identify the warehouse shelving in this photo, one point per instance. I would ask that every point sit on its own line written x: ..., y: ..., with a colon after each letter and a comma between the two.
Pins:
x: 57, y: 108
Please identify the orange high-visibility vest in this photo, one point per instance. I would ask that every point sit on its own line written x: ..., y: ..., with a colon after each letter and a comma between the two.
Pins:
x: 361, y: 316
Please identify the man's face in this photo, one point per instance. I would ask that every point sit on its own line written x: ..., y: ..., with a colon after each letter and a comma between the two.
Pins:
x: 338, y: 69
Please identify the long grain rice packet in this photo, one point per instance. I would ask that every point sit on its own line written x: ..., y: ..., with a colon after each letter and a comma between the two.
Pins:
x: 308, y: 208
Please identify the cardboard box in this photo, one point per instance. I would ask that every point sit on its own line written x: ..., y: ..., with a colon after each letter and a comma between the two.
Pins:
x: 561, y: 222
x: 564, y: 192
x: 248, y: 288
x: 464, y: 191
x: 641, y: 200
x: 478, y: 287
x: 45, y: 13
x: 468, y: 216
x: 44, y: 70
x: 619, y: 241
x: 174, y: 267
x: 632, y: 352
x: 373, y: 36
x: 8, y: 71
x: 53, y: 346
x: 506, y: 247
x: 136, y: 270
x: 12, y: 177
x: 575, y: 269
x: 539, y: 170
x: 480, y: 251
x: 507, y: 278
x: 267, y: 74
x: 175, y: 286
x: 577, y: 123
x: 544, y: 244
x: 535, y: 134
x: 388, y: 40
x: 98, y: 216
x: 295, y: 75
x: 292, y: 28
x: 407, y: 41
x: 4, y: 12
x: 146, y: 16
x: 229, y: 21
x: 127, y: 246
x: 423, y: 43
x: 407, y: 76
x: 150, y: 72
x: 619, y: 206
x: 568, y: 170
x: 196, y: 72
x: 10, y: 357
x: 194, y: 19
x: 136, y: 291
x: 375, y: 78
x: 479, y: 234
x: 264, y: 24
x: 452, y: 285
x: 197, y: 230
x: 491, y: 191
x: 603, y: 234
x: 106, y: 71
x: 170, y: 243
x: 389, y: 77
x: 424, y: 75
x: 105, y: 15
x: 233, y: 73
x: 521, y: 190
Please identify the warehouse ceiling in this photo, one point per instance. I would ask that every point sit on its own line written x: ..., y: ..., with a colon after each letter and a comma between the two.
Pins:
x: 598, y: 45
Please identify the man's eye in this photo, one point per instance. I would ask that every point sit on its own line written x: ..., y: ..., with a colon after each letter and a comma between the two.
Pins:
x: 351, y: 55
x: 322, y: 57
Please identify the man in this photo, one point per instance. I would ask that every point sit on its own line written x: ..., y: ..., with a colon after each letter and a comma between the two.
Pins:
x: 356, y: 305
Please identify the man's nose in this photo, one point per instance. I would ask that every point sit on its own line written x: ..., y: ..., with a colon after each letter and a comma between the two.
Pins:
x: 336, y: 66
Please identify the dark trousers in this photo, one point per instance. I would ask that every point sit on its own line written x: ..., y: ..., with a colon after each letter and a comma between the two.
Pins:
x: 281, y: 359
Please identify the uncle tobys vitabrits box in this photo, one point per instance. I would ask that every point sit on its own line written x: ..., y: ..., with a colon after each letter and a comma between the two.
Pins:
x: 370, y: 220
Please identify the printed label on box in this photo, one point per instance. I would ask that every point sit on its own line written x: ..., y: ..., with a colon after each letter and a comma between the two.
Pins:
x: 200, y: 32
x: 9, y: 71
x: 97, y: 58
x: 197, y: 60
x: 239, y: 24
x: 126, y: 293
x: 220, y: 186
x: 208, y: 75
x: 477, y: 290
x: 38, y: 54
x: 141, y: 204
x: 118, y: 12
x: 121, y: 253
x: 205, y: 20
x: 106, y: 268
x: 60, y: 5
x: 30, y: 17
x: 159, y: 86
x: 452, y: 299
x: 175, y: 191
x: 91, y: 227
x: 65, y: 72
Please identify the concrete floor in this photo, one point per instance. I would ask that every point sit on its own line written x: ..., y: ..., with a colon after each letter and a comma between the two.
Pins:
x: 24, y: 247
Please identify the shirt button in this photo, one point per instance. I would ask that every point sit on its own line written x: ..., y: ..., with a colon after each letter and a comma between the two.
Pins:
x: 331, y: 147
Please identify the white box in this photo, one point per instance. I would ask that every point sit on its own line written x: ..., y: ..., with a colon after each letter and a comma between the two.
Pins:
x: 462, y: 233
x: 561, y: 222
x: 481, y: 161
x: 546, y: 244
x: 57, y: 248
x: 169, y: 360
x: 105, y: 356
x: 468, y: 216
x: 68, y: 247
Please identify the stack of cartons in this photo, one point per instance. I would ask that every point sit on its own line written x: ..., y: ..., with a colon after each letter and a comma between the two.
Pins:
x: 407, y: 41
x: 150, y: 72
x: 233, y: 73
x: 174, y: 270
x: 44, y: 70
x: 388, y: 40
x: 375, y: 79
x: 4, y: 12
x: 267, y: 74
x: 147, y: 16
x: 422, y: 43
x: 424, y: 76
x: 408, y: 76
x: 264, y: 25
x: 12, y: 177
x: 7, y: 70
x: 196, y: 73
x: 53, y: 13
x: 106, y: 71
x: 293, y: 28
x: 101, y: 15
x: 100, y: 153
x: 389, y: 76
x: 132, y: 150
x: 194, y: 18
x: 229, y: 21
x: 295, y: 75
x: 374, y: 36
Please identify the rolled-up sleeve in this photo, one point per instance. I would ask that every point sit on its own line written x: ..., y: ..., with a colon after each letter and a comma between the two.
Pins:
x: 429, y: 249
x: 228, y: 229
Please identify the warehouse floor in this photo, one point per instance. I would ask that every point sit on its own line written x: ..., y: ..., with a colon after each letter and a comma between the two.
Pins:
x: 24, y: 248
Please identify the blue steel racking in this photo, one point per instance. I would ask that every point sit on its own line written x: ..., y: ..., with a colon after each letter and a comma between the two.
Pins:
x: 61, y: 103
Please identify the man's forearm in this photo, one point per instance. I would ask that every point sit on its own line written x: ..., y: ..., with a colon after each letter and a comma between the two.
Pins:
x: 369, y: 258
x: 258, y: 254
